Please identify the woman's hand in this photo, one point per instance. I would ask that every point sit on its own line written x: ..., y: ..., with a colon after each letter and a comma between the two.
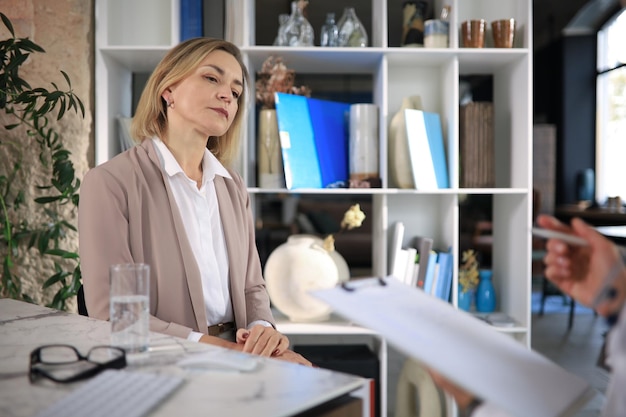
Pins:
x: 218, y: 341
x: 291, y: 356
x: 262, y: 340
x: 583, y: 271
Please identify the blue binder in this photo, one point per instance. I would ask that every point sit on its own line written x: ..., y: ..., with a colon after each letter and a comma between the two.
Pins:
x: 190, y: 19
x: 314, y: 138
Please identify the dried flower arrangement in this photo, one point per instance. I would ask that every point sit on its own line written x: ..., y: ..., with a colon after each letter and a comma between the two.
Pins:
x: 468, y: 271
x: 352, y: 219
x: 275, y: 77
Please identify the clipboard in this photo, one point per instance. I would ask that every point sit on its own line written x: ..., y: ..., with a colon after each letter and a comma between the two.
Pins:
x: 464, y: 349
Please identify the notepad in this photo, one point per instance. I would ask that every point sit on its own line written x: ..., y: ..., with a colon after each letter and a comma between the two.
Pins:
x: 465, y: 350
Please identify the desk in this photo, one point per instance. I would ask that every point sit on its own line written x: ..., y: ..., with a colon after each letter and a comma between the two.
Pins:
x: 337, y: 330
x: 597, y: 216
x: 616, y: 233
x: 280, y: 388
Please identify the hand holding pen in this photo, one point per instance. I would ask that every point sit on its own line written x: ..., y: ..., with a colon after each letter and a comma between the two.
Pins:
x: 592, y: 273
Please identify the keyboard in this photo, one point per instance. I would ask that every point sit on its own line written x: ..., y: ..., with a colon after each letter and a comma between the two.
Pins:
x: 115, y: 393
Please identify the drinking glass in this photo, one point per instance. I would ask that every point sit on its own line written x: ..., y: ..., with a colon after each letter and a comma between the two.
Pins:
x: 129, y: 306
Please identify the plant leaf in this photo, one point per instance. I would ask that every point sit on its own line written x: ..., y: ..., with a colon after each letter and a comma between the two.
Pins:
x: 62, y: 253
x: 54, y: 279
x: 7, y: 23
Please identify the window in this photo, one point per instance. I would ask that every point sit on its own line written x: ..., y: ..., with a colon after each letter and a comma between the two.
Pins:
x: 611, y: 110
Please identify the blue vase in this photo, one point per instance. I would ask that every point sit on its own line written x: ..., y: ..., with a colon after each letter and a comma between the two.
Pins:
x: 465, y: 299
x: 485, y: 293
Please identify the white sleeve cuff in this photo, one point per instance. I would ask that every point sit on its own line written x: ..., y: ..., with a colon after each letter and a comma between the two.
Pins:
x: 261, y: 322
x: 194, y: 336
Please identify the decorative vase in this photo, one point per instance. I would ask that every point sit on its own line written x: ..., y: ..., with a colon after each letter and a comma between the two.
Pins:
x: 363, y: 144
x: 297, y: 266
x: 281, y: 36
x: 329, y: 34
x: 399, y: 160
x: 485, y: 293
x: 351, y: 30
x: 465, y: 299
x: 270, y: 163
x: 413, y: 23
x: 298, y: 30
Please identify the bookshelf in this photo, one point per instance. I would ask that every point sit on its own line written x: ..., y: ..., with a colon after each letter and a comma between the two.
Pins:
x: 434, y: 74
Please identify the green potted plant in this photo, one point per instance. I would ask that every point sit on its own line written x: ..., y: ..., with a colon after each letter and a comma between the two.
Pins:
x: 33, y: 111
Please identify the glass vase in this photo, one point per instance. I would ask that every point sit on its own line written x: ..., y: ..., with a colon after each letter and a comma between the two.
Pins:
x: 485, y: 293
x: 351, y: 30
x: 329, y: 35
x: 281, y: 37
x: 298, y: 30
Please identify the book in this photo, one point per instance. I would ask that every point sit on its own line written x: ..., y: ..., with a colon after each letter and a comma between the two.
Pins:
x: 314, y: 137
x: 410, y: 266
x: 430, y: 271
x: 433, y: 286
x: 443, y: 284
x: 213, y: 17
x: 468, y: 352
x: 190, y: 19
x: 423, y: 245
x: 426, y: 149
x: 399, y: 264
x: 395, y: 243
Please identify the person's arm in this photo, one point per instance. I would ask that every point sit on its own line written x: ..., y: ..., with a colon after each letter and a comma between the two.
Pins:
x: 104, y: 240
x: 593, y: 275
x: 258, y: 337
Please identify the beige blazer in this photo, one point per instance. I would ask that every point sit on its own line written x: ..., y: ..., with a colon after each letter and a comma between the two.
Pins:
x: 127, y: 213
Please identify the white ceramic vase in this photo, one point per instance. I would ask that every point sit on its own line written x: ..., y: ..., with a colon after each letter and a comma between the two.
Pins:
x: 297, y: 266
x: 399, y: 160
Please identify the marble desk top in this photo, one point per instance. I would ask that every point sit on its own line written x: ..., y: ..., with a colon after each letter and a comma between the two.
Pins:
x: 275, y: 388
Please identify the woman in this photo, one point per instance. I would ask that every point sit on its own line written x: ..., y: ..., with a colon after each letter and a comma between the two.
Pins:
x: 172, y: 203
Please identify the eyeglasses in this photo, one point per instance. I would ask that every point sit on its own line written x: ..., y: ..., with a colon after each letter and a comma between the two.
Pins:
x: 64, y: 363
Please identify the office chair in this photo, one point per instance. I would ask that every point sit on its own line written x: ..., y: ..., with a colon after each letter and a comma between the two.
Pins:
x: 80, y: 298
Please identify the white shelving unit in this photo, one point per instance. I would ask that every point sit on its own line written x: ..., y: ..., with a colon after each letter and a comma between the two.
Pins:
x: 134, y: 39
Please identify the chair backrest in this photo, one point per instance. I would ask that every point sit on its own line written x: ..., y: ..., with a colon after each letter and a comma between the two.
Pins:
x: 80, y: 298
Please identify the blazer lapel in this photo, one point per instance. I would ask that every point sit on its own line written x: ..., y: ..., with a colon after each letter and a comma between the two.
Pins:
x: 192, y: 272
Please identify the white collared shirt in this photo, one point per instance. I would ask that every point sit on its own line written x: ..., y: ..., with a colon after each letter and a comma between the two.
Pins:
x: 201, y: 217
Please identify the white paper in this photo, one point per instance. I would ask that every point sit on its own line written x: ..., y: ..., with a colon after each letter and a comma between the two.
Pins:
x: 461, y: 347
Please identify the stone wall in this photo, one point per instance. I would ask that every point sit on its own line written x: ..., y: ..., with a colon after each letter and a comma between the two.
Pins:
x: 65, y: 30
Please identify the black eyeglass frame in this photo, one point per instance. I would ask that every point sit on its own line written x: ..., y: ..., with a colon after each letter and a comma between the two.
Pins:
x: 35, y: 359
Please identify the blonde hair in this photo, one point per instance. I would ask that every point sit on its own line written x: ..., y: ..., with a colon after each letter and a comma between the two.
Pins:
x: 150, y: 118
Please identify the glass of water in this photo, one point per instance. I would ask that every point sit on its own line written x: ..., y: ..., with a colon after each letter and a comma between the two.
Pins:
x: 129, y: 306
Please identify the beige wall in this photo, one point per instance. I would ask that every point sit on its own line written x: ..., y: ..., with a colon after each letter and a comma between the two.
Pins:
x: 64, y: 28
